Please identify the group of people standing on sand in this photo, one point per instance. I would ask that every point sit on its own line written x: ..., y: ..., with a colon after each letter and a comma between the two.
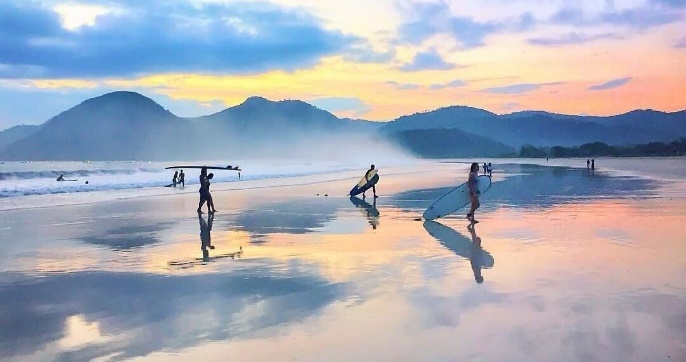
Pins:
x: 179, y: 179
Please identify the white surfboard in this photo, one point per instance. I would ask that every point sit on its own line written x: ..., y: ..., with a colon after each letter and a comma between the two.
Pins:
x: 456, y: 199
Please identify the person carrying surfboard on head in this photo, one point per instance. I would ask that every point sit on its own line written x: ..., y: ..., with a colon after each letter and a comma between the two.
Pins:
x: 204, y: 190
x: 368, y: 176
x: 473, y: 187
x: 210, y: 201
x: 182, y: 179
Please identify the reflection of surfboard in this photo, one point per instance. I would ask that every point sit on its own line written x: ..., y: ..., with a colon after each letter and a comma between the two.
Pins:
x: 458, y: 243
x: 371, y: 210
x: 195, y: 261
x: 365, y: 185
x: 454, y: 200
x: 227, y: 168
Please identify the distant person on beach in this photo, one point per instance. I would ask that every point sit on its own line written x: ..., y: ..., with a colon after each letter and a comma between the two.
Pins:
x: 61, y: 178
x: 176, y: 175
x: 588, y: 163
x: 485, y: 168
x: 182, y: 178
x: 593, y: 164
x: 239, y: 176
x: 473, y: 186
x: 367, y: 177
x: 490, y: 169
x: 476, y: 253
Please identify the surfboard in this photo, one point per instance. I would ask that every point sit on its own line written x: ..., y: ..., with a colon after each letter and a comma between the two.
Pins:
x: 227, y: 168
x: 459, y: 244
x: 365, y: 185
x: 456, y: 199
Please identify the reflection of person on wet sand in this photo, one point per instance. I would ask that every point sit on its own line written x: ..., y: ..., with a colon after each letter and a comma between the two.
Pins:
x: 373, y: 216
x: 205, y: 235
x: 477, y: 253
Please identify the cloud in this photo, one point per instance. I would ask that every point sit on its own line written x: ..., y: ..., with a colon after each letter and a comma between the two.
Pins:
x: 615, y: 83
x: 342, y: 104
x: 365, y: 54
x: 429, y: 60
x: 571, y: 38
x: 402, y: 86
x: 511, y: 106
x: 425, y: 20
x: 513, y: 88
x: 243, y: 37
x: 642, y: 17
x: 670, y: 3
x: 454, y: 84
x: 681, y: 43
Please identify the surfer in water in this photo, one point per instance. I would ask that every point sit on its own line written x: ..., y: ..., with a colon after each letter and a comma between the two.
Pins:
x: 473, y: 187
x: 367, y: 177
x: 61, y: 178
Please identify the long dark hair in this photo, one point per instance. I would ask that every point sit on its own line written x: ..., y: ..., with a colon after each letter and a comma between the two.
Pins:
x: 474, y: 168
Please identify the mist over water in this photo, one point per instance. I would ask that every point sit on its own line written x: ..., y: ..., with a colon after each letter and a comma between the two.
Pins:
x: 292, y: 156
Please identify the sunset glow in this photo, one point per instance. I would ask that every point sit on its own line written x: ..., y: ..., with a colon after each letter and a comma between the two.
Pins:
x: 352, y: 58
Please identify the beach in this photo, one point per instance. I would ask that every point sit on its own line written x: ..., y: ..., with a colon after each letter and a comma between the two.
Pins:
x: 566, y: 264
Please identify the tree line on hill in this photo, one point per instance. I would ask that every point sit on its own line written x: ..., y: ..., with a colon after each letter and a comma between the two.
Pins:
x: 597, y: 149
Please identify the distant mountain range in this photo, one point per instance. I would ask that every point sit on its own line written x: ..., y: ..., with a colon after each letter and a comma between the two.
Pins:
x: 129, y: 126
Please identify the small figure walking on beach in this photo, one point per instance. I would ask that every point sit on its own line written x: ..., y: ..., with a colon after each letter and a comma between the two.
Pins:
x: 485, y: 168
x: 176, y: 175
x: 239, y: 176
x: 593, y: 164
x: 490, y: 170
x: 588, y: 163
x: 182, y: 179
x: 366, y: 176
x: 473, y: 186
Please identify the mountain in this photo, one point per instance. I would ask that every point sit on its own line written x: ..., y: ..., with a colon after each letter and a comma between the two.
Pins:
x: 257, y: 115
x: 548, y: 129
x: 14, y: 134
x: 449, y: 143
x: 129, y: 126
x: 115, y: 126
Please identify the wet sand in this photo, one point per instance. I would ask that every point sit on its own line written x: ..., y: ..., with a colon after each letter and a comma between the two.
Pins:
x: 565, y: 265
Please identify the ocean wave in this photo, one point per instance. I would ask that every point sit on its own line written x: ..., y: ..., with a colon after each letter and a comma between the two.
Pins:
x: 53, y: 174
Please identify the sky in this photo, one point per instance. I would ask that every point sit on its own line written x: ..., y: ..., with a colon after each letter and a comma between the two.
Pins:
x: 375, y: 60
